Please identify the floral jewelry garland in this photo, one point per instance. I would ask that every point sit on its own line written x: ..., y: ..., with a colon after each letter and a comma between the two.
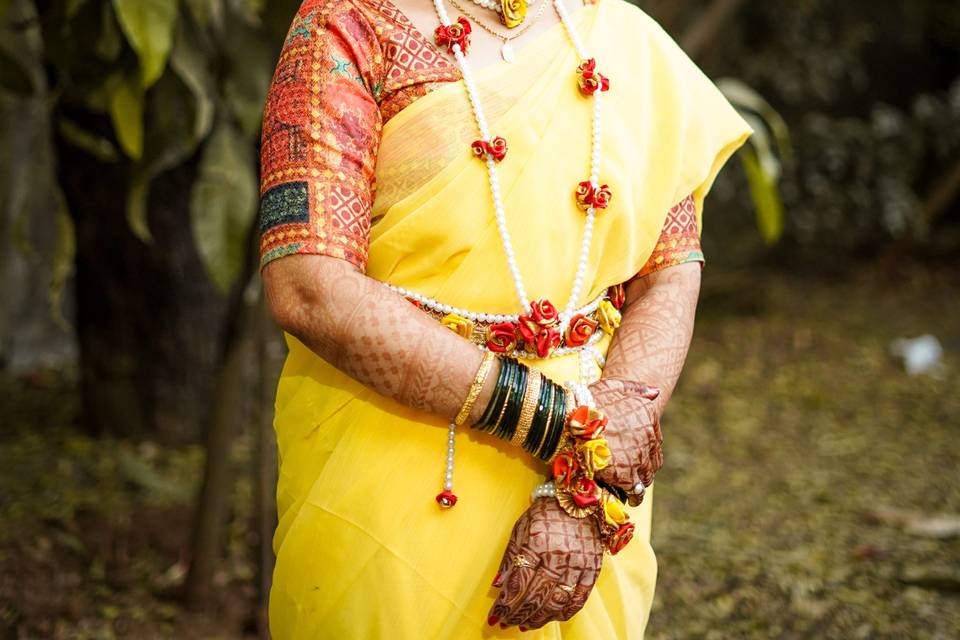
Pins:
x: 540, y: 327
x: 577, y: 460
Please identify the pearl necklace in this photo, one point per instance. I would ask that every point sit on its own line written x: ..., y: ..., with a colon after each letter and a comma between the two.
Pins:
x: 447, y: 499
x: 473, y: 95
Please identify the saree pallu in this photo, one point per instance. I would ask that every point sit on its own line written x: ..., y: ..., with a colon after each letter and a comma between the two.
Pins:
x: 362, y: 549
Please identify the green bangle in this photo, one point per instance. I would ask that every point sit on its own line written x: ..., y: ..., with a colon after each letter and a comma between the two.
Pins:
x: 494, y: 428
x: 495, y: 397
x: 512, y: 416
x: 556, y: 428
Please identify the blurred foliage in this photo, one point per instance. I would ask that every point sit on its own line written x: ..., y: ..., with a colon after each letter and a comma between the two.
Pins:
x: 872, y: 96
x: 173, y: 78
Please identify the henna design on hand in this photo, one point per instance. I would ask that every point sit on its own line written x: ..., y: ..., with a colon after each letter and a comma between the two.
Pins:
x: 561, y: 550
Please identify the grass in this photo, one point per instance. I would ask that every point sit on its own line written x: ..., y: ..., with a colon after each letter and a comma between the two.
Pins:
x: 791, y: 432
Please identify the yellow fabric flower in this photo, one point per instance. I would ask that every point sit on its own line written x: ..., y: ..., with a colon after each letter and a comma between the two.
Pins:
x: 613, y: 511
x: 596, y: 455
x: 458, y: 324
x: 608, y: 316
x: 513, y: 12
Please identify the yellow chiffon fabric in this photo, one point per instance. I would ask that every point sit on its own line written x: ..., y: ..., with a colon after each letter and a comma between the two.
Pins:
x: 363, y: 551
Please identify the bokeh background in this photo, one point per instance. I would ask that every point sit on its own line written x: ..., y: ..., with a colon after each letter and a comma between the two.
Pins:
x: 812, y: 478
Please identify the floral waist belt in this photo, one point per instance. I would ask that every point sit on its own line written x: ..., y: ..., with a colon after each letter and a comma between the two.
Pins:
x: 541, y: 333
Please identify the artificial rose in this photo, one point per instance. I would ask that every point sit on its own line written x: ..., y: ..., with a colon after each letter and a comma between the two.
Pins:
x: 446, y: 499
x: 585, y: 492
x: 502, y: 337
x: 547, y: 340
x: 613, y: 511
x: 617, y: 295
x: 586, y: 423
x: 565, y: 468
x: 601, y: 197
x: 608, y: 316
x: 620, y: 539
x: 458, y: 324
x: 580, y: 329
x: 595, y: 455
x: 496, y: 148
x: 584, y: 194
x: 512, y: 12
x: 543, y: 315
x: 589, y: 79
x: 456, y: 33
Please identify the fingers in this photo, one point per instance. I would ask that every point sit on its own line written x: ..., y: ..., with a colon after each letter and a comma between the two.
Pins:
x: 515, y: 580
x: 553, y: 605
x: 582, y: 590
x: 539, y: 589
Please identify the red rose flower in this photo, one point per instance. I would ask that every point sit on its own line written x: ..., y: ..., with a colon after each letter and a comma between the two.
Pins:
x: 565, y: 467
x: 589, y: 79
x: 502, y: 337
x: 621, y: 538
x: 589, y: 196
x: 580, y: 329
x: 456, y: 33
x: 446, y: 499
x: 496, y: 148
x: 601, y: 197
x: 617, y: 295
x: 585, y: 492
x: 547, y: 340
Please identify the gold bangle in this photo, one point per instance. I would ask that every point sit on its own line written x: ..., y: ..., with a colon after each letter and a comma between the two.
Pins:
x: 530, y: 400
x: 475, y: 388
x: 565, y: 436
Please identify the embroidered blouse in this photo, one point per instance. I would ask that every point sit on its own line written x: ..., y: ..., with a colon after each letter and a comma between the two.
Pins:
x: 345, y: 69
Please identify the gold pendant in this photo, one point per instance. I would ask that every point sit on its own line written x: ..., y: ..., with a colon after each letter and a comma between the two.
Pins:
x: 507, y: 52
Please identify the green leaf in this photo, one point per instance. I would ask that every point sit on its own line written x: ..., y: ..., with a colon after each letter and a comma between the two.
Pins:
x: 137, y: 193
x: 109, y: 45
x: 191, y: 67
x: 223, y: 204
x: 766, y: 196
x: 74, y: 6
x: 148, y: 25
x: 96, y: 145
x: 126, y: 112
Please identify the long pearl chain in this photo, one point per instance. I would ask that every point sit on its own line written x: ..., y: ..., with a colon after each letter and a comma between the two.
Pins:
x: 474, y: 97
x: 447, y: 499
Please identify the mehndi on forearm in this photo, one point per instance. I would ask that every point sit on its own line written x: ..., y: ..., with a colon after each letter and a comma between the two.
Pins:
x: 654, y: 336
x: 373, y: 334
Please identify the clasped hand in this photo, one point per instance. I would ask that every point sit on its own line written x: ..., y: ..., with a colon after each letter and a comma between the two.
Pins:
x: 552, y: 560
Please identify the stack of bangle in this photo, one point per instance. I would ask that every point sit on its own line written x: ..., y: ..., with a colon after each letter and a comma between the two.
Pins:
x: 526, y: 409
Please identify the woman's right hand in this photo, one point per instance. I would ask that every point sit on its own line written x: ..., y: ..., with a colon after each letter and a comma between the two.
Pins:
x: 633, y: 433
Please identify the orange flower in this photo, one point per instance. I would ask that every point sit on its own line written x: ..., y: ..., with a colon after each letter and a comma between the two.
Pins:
x: 617, y: 295
x: 585, y: 492
x: 580, y: 329
x: 589, y: 79
x: 565, y: 467
x: 587, y: 423
x: 620, y: 539
x: 546, y: 342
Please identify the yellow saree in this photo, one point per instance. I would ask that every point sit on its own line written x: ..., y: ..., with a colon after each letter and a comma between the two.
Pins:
x: 362, y: 549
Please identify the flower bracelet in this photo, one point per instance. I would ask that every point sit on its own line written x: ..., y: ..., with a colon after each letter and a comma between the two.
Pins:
x: 578, y: 458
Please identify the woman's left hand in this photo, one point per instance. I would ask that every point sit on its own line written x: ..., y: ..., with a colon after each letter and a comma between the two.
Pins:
x: 548, y: 569
x: 633, y: 434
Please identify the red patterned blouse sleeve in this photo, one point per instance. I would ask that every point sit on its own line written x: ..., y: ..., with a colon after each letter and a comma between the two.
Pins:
x: 321, y: 133
x: 679, y: 240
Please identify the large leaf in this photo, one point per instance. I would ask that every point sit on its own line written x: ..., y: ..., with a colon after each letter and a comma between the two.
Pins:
x: 766, y: 196
x: 190, y: 66
x: 223, y: 204
x: 126, y: 112
x: 148, y: 25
